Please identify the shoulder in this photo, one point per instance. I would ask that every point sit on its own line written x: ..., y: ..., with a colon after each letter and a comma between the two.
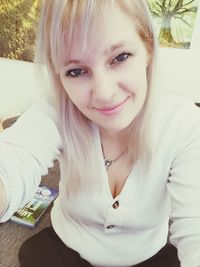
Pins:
x: 175, y: 121
x: 174, y: 109
x: 38, y: 122
x: 43, y: 108
x: 40, y: 114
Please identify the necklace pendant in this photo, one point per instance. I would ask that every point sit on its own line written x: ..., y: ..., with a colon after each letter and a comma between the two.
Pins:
x: 108, y: 163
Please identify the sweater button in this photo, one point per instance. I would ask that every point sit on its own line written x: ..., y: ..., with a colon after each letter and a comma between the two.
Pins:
x: 110, y: 226
x: 115, y: 205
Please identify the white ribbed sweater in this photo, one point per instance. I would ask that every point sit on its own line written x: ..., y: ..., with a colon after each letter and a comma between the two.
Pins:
x: 87, y: 222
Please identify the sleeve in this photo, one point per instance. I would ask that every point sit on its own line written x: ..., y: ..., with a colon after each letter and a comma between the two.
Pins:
x: 27, y: 150
x: 184, y: 188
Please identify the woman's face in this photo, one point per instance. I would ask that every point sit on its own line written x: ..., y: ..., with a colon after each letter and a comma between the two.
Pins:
x: 107, y: 82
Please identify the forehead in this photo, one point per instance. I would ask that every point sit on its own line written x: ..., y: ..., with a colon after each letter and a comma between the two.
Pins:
x: 113, y: 29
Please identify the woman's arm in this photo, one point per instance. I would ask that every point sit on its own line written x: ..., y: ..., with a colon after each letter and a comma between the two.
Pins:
x: 2, y: 198
x: 28, y: 149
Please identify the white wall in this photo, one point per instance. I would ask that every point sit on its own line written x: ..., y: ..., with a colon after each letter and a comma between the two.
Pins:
x: 180, y: 68
x: 180, y: 72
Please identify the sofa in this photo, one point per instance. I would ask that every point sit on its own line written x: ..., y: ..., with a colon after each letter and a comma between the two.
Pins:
x: 19, y: 87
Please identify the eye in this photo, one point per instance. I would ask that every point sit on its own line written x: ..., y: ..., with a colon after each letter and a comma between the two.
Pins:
x: 121, y: 58
x: 73, y: 73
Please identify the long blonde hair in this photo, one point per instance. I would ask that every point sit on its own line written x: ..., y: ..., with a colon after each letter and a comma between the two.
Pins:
x: 60, y: 21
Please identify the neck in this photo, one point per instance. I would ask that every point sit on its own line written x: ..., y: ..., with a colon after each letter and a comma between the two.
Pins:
x: 114, y: 144
x: 114, y: 137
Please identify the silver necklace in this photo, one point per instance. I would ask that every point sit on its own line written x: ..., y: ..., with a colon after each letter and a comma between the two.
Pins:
x: 108, y: 162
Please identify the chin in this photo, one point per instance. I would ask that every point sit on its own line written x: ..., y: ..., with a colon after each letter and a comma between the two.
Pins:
x: 118, y: 127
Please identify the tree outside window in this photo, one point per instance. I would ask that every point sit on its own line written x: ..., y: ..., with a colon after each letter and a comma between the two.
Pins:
x: 174, y: 21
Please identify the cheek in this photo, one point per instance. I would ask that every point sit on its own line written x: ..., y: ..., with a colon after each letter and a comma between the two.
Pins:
x: 135, y: 71
x: 134, y: 81
x: 78, y: 96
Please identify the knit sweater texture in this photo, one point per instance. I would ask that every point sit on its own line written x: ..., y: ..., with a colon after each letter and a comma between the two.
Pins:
x: 133, y: 226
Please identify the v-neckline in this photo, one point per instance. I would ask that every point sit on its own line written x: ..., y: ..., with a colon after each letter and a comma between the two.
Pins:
x: 123, y: 190
x: 106, y: 177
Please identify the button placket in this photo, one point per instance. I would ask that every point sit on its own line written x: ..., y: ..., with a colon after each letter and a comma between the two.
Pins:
x: 111, y: 226
x: 115, y: 205
x: 113, y: 220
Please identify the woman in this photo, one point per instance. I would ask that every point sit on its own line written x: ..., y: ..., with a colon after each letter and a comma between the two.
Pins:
x: 126, y: 168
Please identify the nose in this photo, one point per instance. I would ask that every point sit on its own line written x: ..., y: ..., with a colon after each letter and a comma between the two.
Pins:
x: 104, y: 85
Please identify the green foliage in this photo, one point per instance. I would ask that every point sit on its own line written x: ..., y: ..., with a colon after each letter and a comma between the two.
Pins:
x: 18, y: 20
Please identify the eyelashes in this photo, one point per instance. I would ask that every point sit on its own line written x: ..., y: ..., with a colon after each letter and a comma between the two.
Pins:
x: 77, y: 72
x: 121, y: 57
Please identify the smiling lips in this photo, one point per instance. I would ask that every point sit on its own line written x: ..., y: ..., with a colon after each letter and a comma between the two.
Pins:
x: 112, y: 110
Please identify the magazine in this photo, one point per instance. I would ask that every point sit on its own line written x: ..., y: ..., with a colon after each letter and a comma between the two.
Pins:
x: 30, y: 214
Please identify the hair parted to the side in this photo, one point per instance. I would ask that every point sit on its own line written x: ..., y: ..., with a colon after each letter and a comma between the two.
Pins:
x: 60, y: 22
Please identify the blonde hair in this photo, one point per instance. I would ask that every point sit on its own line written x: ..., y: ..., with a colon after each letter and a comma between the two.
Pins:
x: 60, y: 22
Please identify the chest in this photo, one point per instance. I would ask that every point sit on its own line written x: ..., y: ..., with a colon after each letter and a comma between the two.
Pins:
x: 117, y: 177
x: 134, y: 208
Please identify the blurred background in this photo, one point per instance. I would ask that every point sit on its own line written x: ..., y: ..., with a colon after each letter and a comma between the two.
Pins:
x: 18, y: 20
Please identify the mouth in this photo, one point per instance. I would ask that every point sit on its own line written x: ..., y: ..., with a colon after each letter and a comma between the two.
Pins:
x: 113, y: 109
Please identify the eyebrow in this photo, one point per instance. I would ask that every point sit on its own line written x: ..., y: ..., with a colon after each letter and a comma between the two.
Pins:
x: 106, y: 52
x: 114, y: 47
